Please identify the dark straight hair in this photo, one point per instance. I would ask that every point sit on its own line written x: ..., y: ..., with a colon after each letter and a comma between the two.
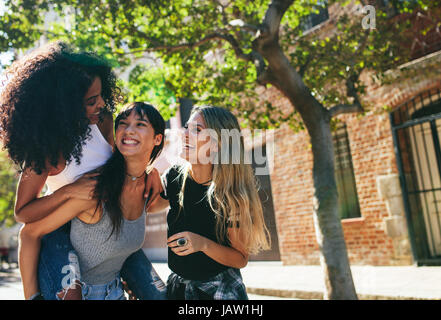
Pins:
x: 110, y: 182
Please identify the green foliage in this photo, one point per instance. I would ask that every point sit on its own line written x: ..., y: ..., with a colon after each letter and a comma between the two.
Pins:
x: 20, y: 24
x: 197, y: 65
x: 8, y: 184
x: 147, y: 84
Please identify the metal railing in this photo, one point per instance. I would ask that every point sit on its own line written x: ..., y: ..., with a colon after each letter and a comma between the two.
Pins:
x: 416, y: 126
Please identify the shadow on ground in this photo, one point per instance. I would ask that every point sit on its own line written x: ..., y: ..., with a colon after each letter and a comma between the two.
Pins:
x: 8, y: 276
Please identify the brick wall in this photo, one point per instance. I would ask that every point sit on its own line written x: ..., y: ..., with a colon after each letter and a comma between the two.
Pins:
x: 373, y: 156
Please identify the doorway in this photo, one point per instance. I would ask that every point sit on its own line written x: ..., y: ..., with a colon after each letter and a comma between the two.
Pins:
x: 416, y: 128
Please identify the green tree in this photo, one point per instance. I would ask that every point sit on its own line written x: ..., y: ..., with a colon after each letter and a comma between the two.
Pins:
x: 147, y: 83
x: 8, y: 185
x: 220, y: 51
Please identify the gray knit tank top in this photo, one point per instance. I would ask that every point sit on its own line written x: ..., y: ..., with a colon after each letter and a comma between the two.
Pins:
x: 101, y: 258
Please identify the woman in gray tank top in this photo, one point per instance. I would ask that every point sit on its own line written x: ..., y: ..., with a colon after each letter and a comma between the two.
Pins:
x: 110, y: 227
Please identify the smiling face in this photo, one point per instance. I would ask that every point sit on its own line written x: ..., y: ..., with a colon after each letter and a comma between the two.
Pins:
x: 196, y: 144
x: 93, y: 101
x: 135, y: 136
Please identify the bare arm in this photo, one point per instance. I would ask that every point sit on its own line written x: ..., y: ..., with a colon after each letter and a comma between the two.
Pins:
x: 29, y: 207
x: 30, y: 236
x: 157, y: 183
x: 59, y: 217
x: 234, y: 256
x: 158, y: 205
x: 153, y: 188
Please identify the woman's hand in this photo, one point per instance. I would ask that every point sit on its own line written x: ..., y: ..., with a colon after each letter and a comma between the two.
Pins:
x: 83, y: 188
x: 194, y: 243
x: 235, y: 256
x: 153, y: 186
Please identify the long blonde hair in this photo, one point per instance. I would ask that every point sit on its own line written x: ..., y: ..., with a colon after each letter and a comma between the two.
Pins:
x: 232, y: 193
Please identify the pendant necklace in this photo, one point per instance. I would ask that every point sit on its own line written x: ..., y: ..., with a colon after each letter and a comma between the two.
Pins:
x: 133, y: 178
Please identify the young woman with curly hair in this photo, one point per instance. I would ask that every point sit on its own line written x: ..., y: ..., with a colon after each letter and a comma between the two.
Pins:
x: 56, y: 124
x: 107, y: 229
x: 215, y: 219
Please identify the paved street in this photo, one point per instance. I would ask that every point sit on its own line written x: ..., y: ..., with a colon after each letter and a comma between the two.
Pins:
x: 10, y: 285
x: 11, y: 288
x: 271, y: 280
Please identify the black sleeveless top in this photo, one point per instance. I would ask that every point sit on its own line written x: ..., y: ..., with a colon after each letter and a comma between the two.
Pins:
x: 196, y: 216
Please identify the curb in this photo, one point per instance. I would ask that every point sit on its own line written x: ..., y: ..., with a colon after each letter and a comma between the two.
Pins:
x: 314, y: 295
x: 295, y: 294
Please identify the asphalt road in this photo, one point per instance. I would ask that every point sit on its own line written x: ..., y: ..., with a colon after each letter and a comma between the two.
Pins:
x: 11, y: 288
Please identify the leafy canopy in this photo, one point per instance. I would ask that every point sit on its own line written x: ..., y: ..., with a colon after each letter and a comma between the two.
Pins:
x: 199, y: 44
x: 196, y: 42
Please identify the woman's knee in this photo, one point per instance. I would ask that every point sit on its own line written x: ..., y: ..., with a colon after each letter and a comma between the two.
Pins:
x: 27, y: 232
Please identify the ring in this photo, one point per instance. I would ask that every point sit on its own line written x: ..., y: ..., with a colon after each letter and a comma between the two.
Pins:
x: 181, y: 242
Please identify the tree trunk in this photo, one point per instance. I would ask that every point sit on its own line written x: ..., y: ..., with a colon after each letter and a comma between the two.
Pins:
x: 329, y: 232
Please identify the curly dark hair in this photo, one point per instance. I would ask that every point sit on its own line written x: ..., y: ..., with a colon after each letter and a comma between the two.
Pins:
x: 42, y: 109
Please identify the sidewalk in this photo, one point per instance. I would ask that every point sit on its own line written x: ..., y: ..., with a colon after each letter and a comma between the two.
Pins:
x: 266, y: 279
x: 306, y: 282
x: 10, y: 285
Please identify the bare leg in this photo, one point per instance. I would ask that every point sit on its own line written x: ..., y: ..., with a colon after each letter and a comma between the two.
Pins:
x: 28, y: 251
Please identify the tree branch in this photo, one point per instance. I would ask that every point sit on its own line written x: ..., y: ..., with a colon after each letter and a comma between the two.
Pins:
x: 259, y: 63
x: 236, y: 47
x: 273, y: 16
x: 265, y: 77
x: 181, y: 46
x: 255, y: 57
x: 351, y: 90
x: 303, y: 67
x: 223, y: 7
x: 344, y: 108
x: 356, y: 107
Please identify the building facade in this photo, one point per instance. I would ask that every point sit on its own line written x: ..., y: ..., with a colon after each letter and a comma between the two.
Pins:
x: 388, y: 169
x: 388, y: 165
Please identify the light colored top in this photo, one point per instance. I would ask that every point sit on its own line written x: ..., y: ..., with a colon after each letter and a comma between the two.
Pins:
x: 101, y: 258
x: 95, y: 153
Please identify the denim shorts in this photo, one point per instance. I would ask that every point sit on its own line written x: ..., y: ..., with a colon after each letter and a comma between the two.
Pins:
x: 58, y: 268
x: 113, y: 290
x: 58, y: 265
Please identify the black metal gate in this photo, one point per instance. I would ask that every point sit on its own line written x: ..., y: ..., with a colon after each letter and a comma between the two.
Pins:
x: 416, y: 127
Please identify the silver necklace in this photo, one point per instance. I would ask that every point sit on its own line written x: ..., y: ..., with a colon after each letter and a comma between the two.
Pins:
x: 133, y: 178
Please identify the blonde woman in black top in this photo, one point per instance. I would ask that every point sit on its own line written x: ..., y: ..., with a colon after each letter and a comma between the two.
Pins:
x: 215, y: 219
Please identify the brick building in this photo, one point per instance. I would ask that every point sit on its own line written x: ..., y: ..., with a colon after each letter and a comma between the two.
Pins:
x: 388, y: 166
x: 388, y: 169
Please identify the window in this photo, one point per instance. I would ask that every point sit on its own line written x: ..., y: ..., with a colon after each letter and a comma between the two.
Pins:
x: 314, y: 19
x: 348, y: 206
